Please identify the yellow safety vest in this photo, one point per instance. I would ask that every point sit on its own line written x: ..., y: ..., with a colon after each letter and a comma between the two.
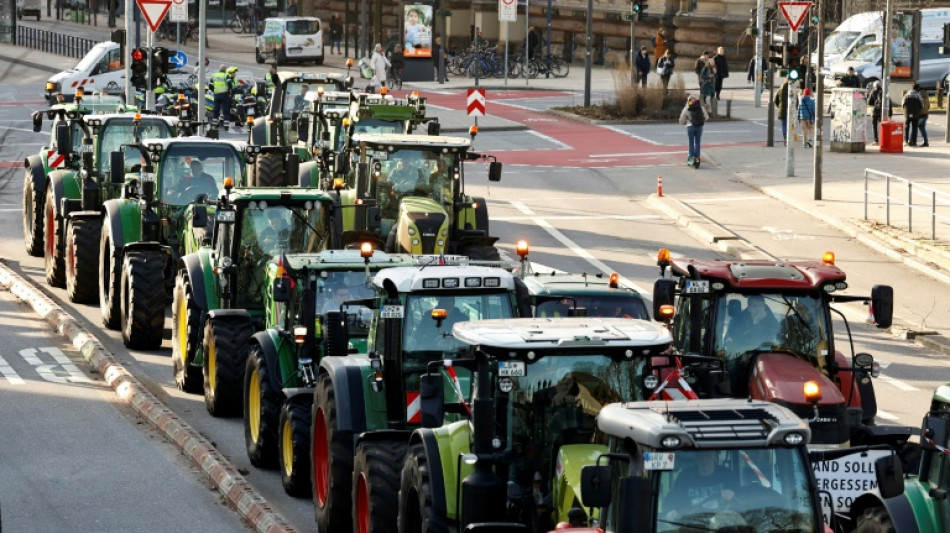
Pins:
x: 219, y: 82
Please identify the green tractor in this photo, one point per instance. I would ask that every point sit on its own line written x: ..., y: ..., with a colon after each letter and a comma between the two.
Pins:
x: 365, y: 405
x: 530, y: 406
x: 328, y: 288
x: 157, y: 220
x: 418, y: 183
x: 222, y: 291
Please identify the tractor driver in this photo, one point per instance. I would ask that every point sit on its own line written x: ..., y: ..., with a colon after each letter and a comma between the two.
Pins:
x: 193, y: 181
x: 275, y: 232
x: 407, y: 175
x: 704, y: 489
x: 755, y: 326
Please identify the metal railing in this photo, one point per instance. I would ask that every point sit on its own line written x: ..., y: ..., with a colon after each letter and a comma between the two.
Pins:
x: 53, y: 42
x: 904, y: 193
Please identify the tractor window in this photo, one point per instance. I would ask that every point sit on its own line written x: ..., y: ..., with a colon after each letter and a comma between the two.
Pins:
x: 745, y: 489
x: 339, y: 287
x: 629, y: 306
x: 422, y: 337
x: 75, y: 136
x: 119, y: 131
x: 376, y: 125
x: 690, y: 324
x: 416, y: 173
x: 188, y: 171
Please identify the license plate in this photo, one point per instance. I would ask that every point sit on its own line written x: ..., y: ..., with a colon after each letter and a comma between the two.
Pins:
x: 696, y: 286
x: 658, y: 460
x: 511, y: 369
x: 392, y: 311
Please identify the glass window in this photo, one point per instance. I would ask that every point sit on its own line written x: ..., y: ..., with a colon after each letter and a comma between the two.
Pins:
x: 619, y: 306
x: 119, y: 131
x: 190, y: 170
x: 339, y: 287
x: 421, y: 335
x: 409, y: 172
x: 839, y: 41
x: 303, y: 27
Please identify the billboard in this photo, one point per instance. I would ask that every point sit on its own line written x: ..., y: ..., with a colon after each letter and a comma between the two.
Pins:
x: 902, y: 45
x: 417, y: 31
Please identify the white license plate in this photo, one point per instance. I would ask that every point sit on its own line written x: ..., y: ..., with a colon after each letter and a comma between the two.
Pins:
x: 392, y: 311
x: 658, y: 460
x: 696, y: 286
x: 511, y: 369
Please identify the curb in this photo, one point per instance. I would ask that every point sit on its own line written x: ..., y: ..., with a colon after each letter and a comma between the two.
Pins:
x: 241, y: 496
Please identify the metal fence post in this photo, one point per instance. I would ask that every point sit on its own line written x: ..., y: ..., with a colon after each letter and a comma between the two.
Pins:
x: 865, y: 194
x: 887, y: 199
x: 933, y: 215
x: 910, y: 206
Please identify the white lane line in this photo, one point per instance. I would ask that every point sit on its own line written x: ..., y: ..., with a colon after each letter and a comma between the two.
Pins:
x: 887, y: 416
x: 571, y: 245
x: 11, y: 209
x: 632, y: 135
x: 25, y: 130
x: 898, y: 384
x: 7, y: 371
x: 580, y: 217
x: 718, y: 200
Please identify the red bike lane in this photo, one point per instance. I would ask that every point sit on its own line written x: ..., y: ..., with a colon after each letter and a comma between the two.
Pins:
x: 580, y: 144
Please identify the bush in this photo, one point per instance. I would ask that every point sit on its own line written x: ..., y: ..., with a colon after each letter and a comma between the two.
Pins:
x: 635, y: 102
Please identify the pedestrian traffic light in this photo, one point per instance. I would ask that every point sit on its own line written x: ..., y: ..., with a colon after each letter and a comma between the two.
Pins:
x: 139, y: 67
x: 639, y: 6
x: 778, y: 51
x: 160, y: 64
x: 794, y: 56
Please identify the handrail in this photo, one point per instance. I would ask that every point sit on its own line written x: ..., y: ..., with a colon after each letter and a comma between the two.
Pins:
x: 53, y: 42
x: 905, y: 196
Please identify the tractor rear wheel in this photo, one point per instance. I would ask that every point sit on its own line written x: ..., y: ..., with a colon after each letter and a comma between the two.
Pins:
x: 875, y: 520
x: 416, y: 510
x: 261, y: 411
x: 186, y: 334
x: 34, y: 203
x: 294, y: 445
x: 143, y: 299
x: 269, y: 171
x: 53, y: 230
x: 331, y: 457
x: 110, y: 274
x: 376, y: 471
x: 82, y: 256
x: 225, y: 359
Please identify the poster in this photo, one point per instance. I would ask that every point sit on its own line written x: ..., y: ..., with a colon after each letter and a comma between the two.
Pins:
x: 417, y: 32
x: 902, y: 39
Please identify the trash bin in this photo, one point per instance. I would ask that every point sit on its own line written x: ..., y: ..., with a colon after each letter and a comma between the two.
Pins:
x: 848, y: 119
x: 892, y: 137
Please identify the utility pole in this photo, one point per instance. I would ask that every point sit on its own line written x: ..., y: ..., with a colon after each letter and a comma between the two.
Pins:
x: 760, y: 35
x: 129, y: 92
x: 819, y: 102
x: 587, y: 54
x: 790, y: 115
x: 633, y: 44
x: 886, y: 64
x: 202, y: 72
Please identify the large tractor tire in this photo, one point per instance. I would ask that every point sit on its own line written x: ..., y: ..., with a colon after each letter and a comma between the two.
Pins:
x: 82, y: 260
x: 143, y: 299
x: 481, y: 252
x: 294, y: 445
x: 53, y: 230
x: 34, y: 203
x: 186, y: 335
x: 331, y: 456
x: 261, y: 411
x: 269, y: 171
x: 416, y: 510
x: 110, y: 276
x: 225, y: 360
x: 376, y: 479
x: 875, y: 520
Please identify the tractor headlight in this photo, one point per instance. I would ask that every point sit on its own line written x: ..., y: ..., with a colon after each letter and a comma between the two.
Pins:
x: 671, y: 441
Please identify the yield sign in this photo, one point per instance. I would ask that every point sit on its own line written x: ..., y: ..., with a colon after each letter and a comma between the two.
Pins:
x: 154, y: 11
x: 794, y: 13
x: 476, y: 102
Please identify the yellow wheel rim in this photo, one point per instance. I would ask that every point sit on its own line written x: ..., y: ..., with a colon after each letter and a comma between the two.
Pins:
x: 183, y: 330
x: 212, y: 365
x: 287, y: 447
x: 254, y: 406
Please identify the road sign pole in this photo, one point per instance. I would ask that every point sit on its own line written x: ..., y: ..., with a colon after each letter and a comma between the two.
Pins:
x: 759, y: 52
x: 202, y: 26
x: 791, y: 116
x: 150, y: 92
x: 129, y: 93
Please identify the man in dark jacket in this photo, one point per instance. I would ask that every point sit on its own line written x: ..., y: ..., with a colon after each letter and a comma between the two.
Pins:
x: 850, y: 79
x: 722, y: 69
x: 643, y: 66
x: 912, y: 105
x: 336, y: 34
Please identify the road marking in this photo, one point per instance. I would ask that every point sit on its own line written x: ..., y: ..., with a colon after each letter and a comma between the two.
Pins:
x: 46, y: 371
x: 717, y: 200
x: 632, y: 135
x: 7, y: 371
x: 887, y: 416
x: 24, y: 129
x: 581, y: 217
x: 898, y: 384
x: 571, y: 245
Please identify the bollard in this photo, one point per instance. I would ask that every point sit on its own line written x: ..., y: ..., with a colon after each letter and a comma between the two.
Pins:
x: 729, y: 108
x: 659, y: 186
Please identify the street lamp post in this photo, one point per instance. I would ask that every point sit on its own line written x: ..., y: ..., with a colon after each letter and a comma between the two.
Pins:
x: 587, y: 56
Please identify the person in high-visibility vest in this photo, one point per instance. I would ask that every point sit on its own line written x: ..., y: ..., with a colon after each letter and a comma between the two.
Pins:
x: 221, y: 85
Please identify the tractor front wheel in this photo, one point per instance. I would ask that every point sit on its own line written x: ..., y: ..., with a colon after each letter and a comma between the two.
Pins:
x: 331, y: 457
x: 186, y: 334
x: 416, y: 510
x: 110, y: 274
x: 225, y: 359
x: 376, y: 467
x: 294, y: 445
x: 261, y: 411
x: 82, y: 256
x: 53, y: 230
x: 34, y: 202
x: 143, y: 299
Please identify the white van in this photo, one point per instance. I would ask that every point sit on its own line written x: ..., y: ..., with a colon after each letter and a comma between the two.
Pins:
x: 290, y: 39
x: 102, y: 70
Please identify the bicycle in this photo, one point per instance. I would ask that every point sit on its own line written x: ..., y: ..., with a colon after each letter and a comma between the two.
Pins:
x: 549, y: 64
x: 241, y: 23
x: 168, y: 31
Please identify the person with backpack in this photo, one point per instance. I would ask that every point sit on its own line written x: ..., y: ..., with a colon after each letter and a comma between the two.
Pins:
x: 700, y: 64
x: 806, y: 117
x: 694, y: 117
x: 876, y: 101
x: 922, y: 116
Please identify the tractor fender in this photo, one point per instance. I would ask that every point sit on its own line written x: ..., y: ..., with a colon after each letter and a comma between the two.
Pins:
x: 481, y: 215
x: 258, y: 134
x: 346, y: 375
x: 395, y: 435
x: 63, y: 184
x: 430, y: 442
x: 268, y: 341
x: 567, y: 485
x: 899, y: 508
x: 145, y: 246
x: 292, y: 392
x: 123, y: 218
x: 197, y: 267
x: 231, y: 315
x: 308, y: 174
x: 35, y: 170
x: 83, y: 215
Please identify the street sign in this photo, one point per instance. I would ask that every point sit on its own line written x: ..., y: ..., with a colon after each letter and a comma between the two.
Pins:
x: 154, y: 11
x: 179, y: 11
x: 476, y: 102
x: 179, y: 60
x: 627, y: 16
x: 794, y: 12
x: 507, y: 10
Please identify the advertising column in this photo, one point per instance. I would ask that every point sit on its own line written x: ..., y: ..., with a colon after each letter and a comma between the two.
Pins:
x: 417, y: 43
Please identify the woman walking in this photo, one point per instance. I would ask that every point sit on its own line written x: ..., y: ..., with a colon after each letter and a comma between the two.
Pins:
x: 806, y: 117
x: 694, y: 116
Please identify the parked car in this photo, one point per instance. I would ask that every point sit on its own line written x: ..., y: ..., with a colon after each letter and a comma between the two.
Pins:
x: 290, y: 39
x: 867, y: 60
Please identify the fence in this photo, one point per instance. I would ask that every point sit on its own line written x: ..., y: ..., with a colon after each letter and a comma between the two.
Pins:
x: 909, y: 197
x: 53, y: 42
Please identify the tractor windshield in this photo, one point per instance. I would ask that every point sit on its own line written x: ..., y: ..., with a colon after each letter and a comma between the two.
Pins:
x: 191, y: 170
x: 299, y: 94
x: 413, y: 172
x: 119, y: 131
x: 619, y: 306
x: 339, y: 287
x: 555, y: 403
x: 756, y: 490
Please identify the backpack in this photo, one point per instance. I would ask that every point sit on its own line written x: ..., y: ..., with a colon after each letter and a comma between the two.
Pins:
x: 696, y: 117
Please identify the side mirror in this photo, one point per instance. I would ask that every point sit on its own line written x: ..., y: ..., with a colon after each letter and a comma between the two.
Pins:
x: 882, y: 305
x: 37, y: 121
x: 362, y: 172
x: 117, y: 167
x: 282, y: 290
x: 890, y: 475
x: 432, y: 398
x: 935, y: 428
x: 291, y: 165
x: 63, y: 144
x: 325, y: 135
x: 494, y: 171
x: 434, y: 128
x: 595, y: 486
x: 199, y: 216
x: 303, y: 124
x: 373, y: 218
x: 343, y: 163
x: 664, y: 292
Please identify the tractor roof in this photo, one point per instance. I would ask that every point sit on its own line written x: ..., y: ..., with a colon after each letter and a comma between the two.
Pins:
x: 127, y: 117
x: 560, y: 282
x: 197, y: 140
x: 436, y: 278
x: 315, y: 77
x: 278, y: 196
x: 349, y: 260
x: 553, y: 336
x: 711, y: 423
x: 412, y: 141
x: 761, y: 275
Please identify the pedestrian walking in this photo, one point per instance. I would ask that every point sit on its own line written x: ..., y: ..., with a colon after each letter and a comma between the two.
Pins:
x: 722, y: 69
x: 781, y: 102
x: 693, y: 116
x: 380, y: 66
x: 659, y: 43
x: 922, y: 116
x: 534, y: 42
x: 221, y: 86
x: 707, y: 84
x: 876, y: 101
x: 664, y: 67
x: 700, y: 63
x: 336, y: 34
x: 437, y: 52
x: 642, y: 64
x: 750, y: 71
x: 806, y: 117
x: 912, y: 105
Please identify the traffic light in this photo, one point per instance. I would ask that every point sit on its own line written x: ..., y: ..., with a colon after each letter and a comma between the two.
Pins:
x: 639, y: 6
x: 793, y: 61
x: 139, y: 67
x: 778, y: 54
x: 753, y: 28
x: 160, y: 64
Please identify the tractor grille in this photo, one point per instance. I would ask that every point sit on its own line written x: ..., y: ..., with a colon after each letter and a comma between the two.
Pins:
x: 428, y: 225
x: 726, y: 424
